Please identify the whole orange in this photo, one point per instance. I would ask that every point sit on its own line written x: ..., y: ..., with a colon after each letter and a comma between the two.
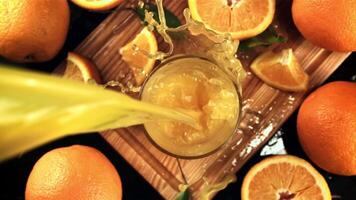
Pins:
x: 326, y: 127
x: 32, y: 31
x: 328, y: 23
x: 72, y: 173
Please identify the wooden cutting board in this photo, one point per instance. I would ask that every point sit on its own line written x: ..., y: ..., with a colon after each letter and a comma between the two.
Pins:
x: 265, y: 108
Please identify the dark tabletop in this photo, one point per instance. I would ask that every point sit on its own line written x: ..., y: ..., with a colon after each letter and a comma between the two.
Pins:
x: 14, y: 172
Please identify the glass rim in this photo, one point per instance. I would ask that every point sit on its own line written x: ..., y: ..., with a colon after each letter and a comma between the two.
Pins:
x: 238, y: 119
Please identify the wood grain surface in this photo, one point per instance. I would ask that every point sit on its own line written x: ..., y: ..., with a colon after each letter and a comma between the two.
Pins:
x: 264, y: 109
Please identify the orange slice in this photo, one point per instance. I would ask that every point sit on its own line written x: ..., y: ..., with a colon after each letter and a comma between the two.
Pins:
x: 281, y: 70
x: 241, y: 18
x: 81, y: 69
x: 136, y: 54
x: 284, y: 177
x: 97, y: 5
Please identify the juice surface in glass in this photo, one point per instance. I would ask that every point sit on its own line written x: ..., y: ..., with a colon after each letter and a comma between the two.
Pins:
x: 198, y: 86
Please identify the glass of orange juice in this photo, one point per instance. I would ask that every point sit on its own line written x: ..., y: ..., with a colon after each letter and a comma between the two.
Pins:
x: 199, y: 86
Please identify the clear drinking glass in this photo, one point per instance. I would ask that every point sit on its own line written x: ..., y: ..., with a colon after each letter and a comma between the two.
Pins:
x: 200, y: 87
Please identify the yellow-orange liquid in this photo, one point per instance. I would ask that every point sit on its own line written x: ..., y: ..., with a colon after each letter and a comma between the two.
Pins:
x: 201, y: 87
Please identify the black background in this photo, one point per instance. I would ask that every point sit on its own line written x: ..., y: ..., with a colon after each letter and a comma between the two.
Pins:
x: 14, y: 172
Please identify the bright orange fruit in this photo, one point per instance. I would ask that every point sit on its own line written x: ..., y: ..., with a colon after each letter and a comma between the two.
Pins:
x: 328, y: 23
x: 81, y: 68
x: 327, y: 127
x: 241, y: 18
x: 32, y: 31
x: 135, y: 54
x: 284, y: 177
x: 97, y: 5
x: 72, y: 173
x: 281, y: 70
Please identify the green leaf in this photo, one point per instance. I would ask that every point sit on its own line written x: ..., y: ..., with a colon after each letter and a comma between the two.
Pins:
x: 266, y: 38
x: 184, y: 195
x: 172, y: 21
x: 37, y: 108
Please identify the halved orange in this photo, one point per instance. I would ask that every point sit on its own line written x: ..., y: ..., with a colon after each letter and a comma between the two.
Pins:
x: 241, y: 18
x: 136, y: 54
x: 81, y: 68
x: 281, y: 70
x: 97, y: 5
x: 284, y: 177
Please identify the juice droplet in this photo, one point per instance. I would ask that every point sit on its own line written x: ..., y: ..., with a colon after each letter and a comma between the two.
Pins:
x: 237, y: 144
x: 245, y: 57
x: 353, y: 78
x: 291, y: 98
x: 247, y: 102
x: 129, y: 87
x: 234, y: 162
x: 141, y: 4
x: 257, y: 140
x: 209, y: 189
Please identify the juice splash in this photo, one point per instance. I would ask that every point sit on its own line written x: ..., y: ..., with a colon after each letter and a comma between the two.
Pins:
x: 194, y: 39
x: 209, y: 189
x: 197, y: 40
